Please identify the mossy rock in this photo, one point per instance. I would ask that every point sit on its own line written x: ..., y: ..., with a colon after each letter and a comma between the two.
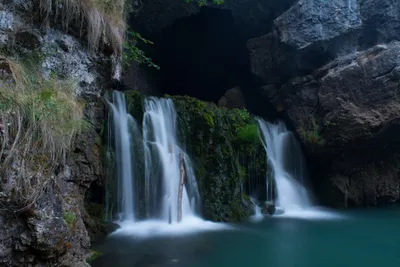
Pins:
x: 135, y: 104
x: 218, y: 140
x: 93, y: 254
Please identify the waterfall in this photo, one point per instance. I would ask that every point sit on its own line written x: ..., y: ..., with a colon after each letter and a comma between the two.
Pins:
x: 285, y: 157
x: 124, y: 127
x: 147, y: 163
x: 162, y: 162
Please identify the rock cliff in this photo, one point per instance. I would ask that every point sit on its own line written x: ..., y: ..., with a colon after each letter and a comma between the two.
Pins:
x: 52, y: 230
x: 332, y: 67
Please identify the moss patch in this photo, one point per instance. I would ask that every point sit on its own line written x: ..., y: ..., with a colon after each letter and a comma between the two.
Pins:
x: 93, y: 255
x: 69, y: 217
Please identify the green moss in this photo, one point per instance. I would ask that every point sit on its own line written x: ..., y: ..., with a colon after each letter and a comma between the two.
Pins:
x: 69, y: 217
x: 134, y: 103
x: 248, y: 133
x: 93, y: 255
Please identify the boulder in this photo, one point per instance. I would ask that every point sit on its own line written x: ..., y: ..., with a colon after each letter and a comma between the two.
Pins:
x: 233, y: 98
x: 312, y: 21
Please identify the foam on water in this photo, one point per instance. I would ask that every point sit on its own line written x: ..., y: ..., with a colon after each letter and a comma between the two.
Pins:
x: 151, y: 228
x: 312, y: 213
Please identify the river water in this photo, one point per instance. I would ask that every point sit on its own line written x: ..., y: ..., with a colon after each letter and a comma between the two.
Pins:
x: 362, y: 237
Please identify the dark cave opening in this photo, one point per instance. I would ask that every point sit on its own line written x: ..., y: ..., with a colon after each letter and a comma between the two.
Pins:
x: 204, y: 55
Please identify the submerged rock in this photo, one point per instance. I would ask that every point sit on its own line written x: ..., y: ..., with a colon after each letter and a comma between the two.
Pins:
x: 269, y: 209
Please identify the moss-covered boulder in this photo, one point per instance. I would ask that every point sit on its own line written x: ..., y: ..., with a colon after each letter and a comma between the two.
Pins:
x: 227, y: 152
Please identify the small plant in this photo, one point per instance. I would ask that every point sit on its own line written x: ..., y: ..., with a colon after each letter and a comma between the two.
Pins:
x: 132, y: 53
x: 69, y: 217
x: 312, y: 136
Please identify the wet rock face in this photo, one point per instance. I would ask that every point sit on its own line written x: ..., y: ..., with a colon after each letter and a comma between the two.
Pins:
x: 333, y: 68
x: 354, y: 99
x: 347, y: 115
x: 366, y: 182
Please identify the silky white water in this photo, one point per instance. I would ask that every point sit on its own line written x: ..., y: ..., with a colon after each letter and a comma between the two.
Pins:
x: 286, y: 159
x: 147, y: 164
x: 122, y: 123
x: 162, y: 160
x: 257, y: 216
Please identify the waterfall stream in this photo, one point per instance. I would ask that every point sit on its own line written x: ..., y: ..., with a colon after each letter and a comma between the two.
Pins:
x: 288, y: 164
x: 149, y: 162
x: 162, y: 151
x: 160, y: 176
x: 123, y: 125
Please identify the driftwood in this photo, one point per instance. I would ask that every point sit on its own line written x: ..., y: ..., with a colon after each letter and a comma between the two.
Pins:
x: 181, y: 183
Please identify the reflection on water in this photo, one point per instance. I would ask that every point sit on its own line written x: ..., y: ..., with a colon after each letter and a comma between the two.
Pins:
x: 366, y: 238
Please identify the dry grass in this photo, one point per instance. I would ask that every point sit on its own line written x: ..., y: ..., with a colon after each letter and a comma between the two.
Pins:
x: 40, y: 119
x: 102, y: 20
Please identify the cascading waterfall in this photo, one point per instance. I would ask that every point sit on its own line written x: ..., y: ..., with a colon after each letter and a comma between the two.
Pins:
x: 162, y: 160
x: 285, y: 157
x: 149, y: 188
x: 124, y: 127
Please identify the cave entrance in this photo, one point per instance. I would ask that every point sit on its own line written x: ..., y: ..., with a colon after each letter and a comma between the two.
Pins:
x: 202, y: 56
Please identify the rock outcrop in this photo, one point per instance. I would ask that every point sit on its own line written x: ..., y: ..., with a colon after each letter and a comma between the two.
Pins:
x: 53, y: 231
x: 233, y: 98
x: 333, y: 68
